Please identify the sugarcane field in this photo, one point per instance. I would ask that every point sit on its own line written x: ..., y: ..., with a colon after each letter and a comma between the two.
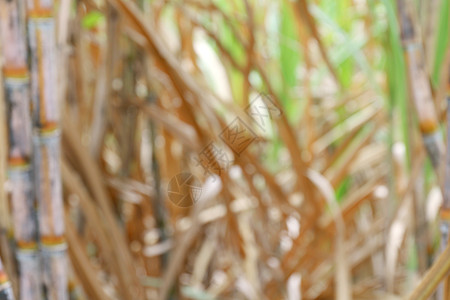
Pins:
x: 224, y: 149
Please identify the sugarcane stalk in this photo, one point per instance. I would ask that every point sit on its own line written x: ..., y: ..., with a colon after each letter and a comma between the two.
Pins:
x: 17, y: 95
x: 6, y: 292
x: 46, y: 139
x: 419, y: 84
x: 16, y: 85
x: 445, y: 209
x: 422, y: 98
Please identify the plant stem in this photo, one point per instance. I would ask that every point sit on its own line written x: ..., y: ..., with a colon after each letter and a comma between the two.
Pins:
x: 419, y: 84
x: 17, y: 95
x: 46, y: 138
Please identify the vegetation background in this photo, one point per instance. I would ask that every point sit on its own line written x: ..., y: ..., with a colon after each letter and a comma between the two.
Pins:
x: 337, y: 196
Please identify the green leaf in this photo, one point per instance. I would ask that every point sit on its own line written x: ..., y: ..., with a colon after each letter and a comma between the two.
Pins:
x: 441, y: 42
x: 341, y: 191
x: 289, y: 47
x: 396, y: 73
x: 413, y: 260
x: 92, y: 19
x: 289, y: 50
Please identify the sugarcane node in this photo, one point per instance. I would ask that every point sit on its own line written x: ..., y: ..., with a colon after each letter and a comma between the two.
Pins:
x: 3, y: 277
x: 49, y: 129
x: 428, y: 126
x: 40, y: 13
x: 19, y: 162
x: 445, y: 214
x: 15, y: 73
x: 53, y: 242
x: 27, y: 246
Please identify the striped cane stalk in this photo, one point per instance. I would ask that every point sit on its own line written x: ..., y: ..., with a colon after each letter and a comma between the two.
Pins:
x: 419, y: 83
x: 422, y: 98
x: 6, y: 292
x: 421, y: 93
x: 46, y: 138
x: 17, y: 95
x: 445, y: 209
